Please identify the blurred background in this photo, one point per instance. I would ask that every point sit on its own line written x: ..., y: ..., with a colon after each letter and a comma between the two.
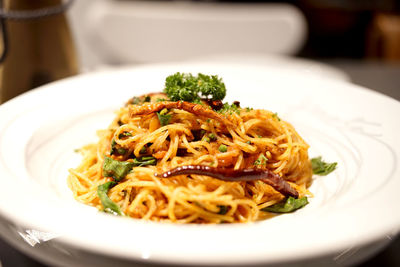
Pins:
x: 355, y: 36
x: 353, y: 29
x: 46, y: 40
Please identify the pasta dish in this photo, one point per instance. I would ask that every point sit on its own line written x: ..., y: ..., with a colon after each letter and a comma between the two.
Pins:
x: 184, y: 156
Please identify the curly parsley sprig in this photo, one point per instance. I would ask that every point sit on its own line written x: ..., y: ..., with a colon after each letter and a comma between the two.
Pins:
x: 187, y: 87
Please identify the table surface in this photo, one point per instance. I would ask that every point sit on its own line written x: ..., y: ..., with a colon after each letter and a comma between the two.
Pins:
x: 383, y: 78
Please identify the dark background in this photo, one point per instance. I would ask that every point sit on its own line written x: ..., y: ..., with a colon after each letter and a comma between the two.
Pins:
x: 355, y: 29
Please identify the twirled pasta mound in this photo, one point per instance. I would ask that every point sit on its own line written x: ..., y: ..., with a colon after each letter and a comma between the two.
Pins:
x: 151, y: 135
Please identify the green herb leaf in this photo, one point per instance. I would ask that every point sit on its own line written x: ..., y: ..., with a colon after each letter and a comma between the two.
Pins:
x: 163, y: 117
x: 289, y: 204
x: 261, y: 161
x: 320, y: 167
x: 116, y: 169
x: 144, y: 161
x: 108, y: 204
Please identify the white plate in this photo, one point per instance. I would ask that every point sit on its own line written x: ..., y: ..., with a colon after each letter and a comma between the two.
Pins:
x: 353, y: 206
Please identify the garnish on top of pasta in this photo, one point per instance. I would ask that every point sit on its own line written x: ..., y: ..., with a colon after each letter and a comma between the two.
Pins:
x: 184, y: 156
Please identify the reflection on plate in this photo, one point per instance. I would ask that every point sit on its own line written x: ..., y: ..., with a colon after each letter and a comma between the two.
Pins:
x: 352, y: 207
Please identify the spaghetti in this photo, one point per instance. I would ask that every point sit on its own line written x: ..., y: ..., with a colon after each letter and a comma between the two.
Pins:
x: 152, y: 135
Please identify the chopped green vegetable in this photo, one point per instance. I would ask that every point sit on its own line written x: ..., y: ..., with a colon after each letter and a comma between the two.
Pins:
x: 163, y: 111
x: 113, y: 147
x: 223, y: 148
x: 163, y: 117
x: 116, y: 169
x: 186, y: 87
x: 140, y: 100
x: 161, y: 100
x: 226, y: 108
x: 275, y: 115
x: 198, y: 101
x: 212, y: 136
x: 198, y: 134
x: 143, y: 150
x: 320, y: 167
x: 207, y: 139
x: 147, y: 98
x: 289, y: 204
x: 143, y: 161
x: 136, y: 100
x: 124, y: 134
x: 122, y: 151
x: 113, y: 143
x: 223, y: 209
x: 108, y: 204
x: 261, y: 161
